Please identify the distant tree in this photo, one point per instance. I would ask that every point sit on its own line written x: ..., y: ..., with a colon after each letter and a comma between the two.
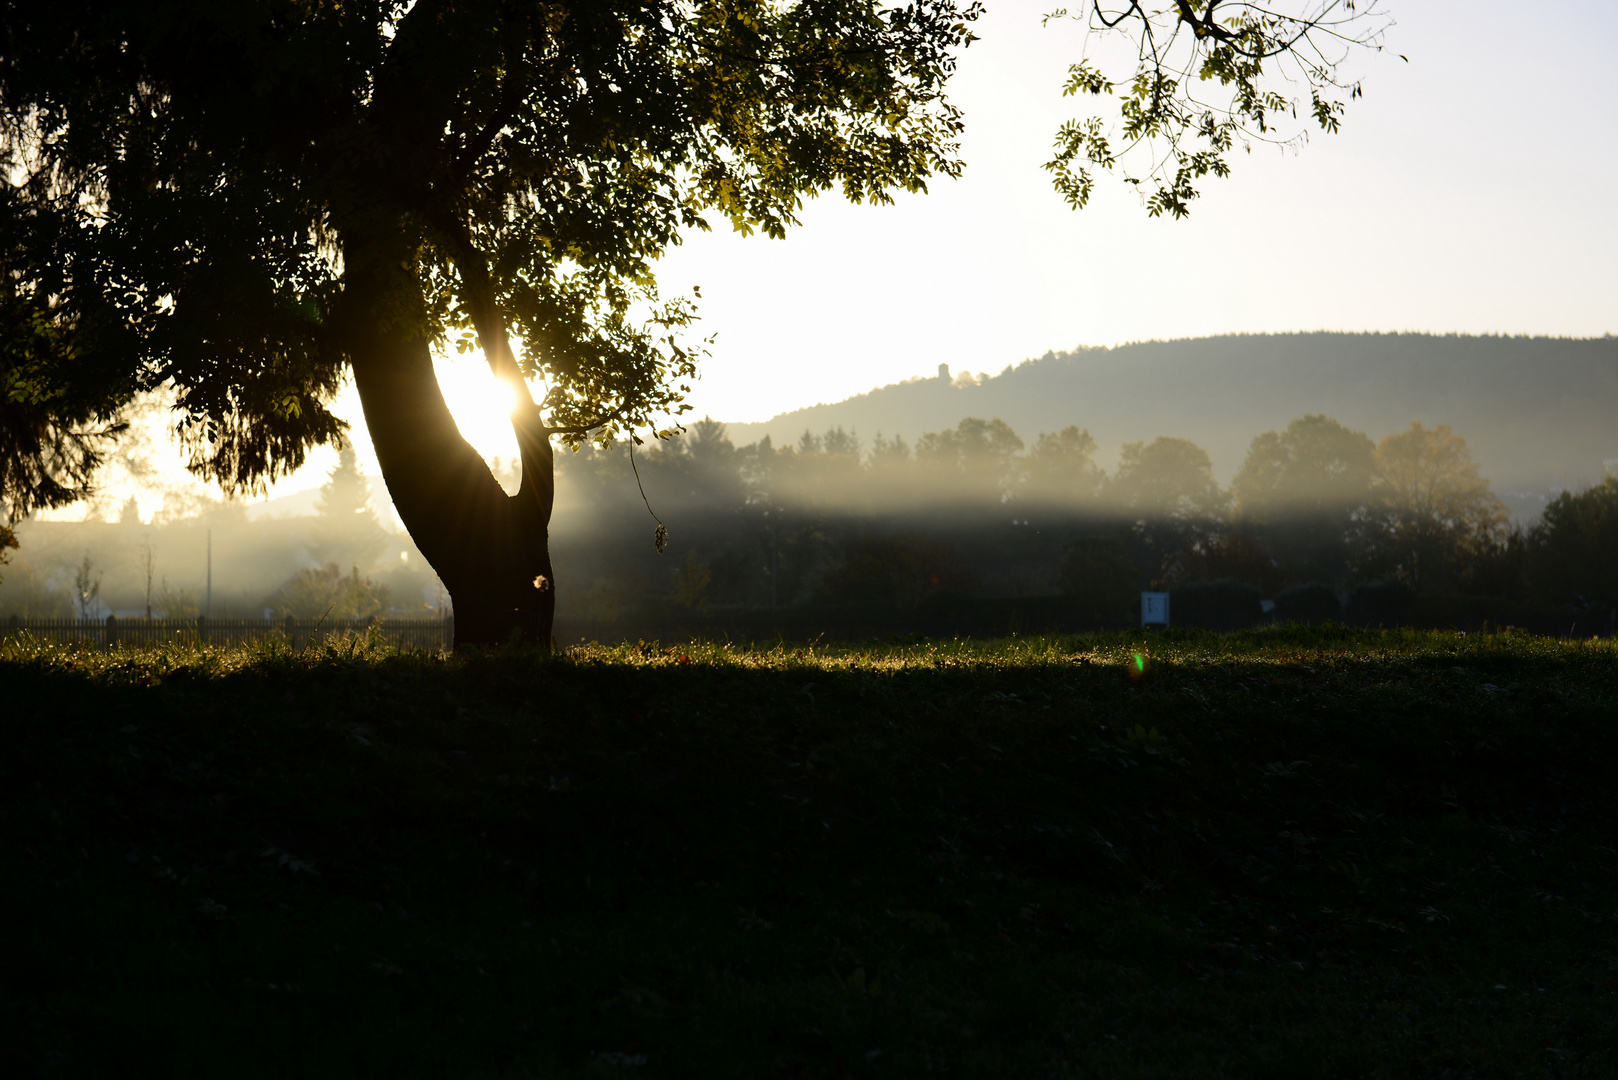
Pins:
x: 972, y: 462
x: 1096, y: 574
x: 181, y: 604
x: 1060, y: 470
x: 1167, y: 486
x: 901, y: 570
x: 838, y: 441
x: 1431, y: 510
x: 890, y: 478
x: 8, y: 544
x: 346, y: 527
x: 86, y: 588
x: 885, y: 452
x: 327, y: 592
x: 247, y: 200
x: 1230, y: 554
x: 1306, y: 492
x: 148, y: 561
x: 699, y: 466
x: 823, y: 471
x: 1573, y: 551
x: 691, y: 582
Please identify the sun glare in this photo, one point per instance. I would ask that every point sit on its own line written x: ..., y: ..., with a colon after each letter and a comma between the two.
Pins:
x: 481, y: 404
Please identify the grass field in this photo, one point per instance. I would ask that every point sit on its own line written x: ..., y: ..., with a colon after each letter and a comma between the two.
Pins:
x: 1289, y: 853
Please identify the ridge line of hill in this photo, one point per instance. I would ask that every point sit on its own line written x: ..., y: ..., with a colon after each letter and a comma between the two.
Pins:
x: 1537, y: 410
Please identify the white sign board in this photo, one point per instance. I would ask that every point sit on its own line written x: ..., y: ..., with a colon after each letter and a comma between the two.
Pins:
x: 1154, y: 609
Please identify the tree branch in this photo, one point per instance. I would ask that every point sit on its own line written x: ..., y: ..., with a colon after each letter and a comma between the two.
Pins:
x: 476, y: 145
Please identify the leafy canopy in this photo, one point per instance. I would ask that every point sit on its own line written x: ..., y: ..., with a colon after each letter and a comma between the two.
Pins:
x: 1207, y: 79
x: 190, y: 185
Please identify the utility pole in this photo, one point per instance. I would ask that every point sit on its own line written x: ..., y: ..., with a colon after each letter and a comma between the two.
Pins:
x: 208, y: 604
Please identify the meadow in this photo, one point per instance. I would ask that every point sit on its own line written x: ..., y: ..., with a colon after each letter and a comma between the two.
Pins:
x: 1287, y: 852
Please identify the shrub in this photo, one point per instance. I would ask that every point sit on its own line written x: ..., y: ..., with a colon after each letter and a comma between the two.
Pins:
x: 1315, y: 602
x: 1097, y: 576
x: 327, y: 593
x: 1226, y: 604
x: 1379, y: 603
x: 897, y: 570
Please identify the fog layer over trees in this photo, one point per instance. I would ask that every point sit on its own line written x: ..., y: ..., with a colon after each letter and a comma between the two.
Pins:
x: 215, y: 559
x: 978, y: 509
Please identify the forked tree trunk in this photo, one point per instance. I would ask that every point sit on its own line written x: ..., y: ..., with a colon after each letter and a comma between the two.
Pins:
x: 490, y: 549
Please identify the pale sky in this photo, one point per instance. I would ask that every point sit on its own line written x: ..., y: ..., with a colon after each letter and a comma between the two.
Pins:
x: 1469, y: 190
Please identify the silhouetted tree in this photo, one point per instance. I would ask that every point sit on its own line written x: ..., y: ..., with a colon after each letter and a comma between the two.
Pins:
x: 971, y: 462
x: 86, y: 588
x: 1167, y: 487
x: 346, y: 528
x: 900, y: 570
x: 1198, y: 81
x: 1573, y: 551
x: 246, y: 200
x: 327, y: 592
x: 1060, y: 471
x: 1431, y: 510
x: 8, y: 544
x: 1096, y: 574
x: 1306, y: 492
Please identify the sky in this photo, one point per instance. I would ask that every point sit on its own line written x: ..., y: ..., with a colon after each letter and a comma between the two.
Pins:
x: 1469, y: 191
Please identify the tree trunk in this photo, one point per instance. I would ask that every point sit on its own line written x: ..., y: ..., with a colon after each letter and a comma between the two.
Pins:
x: 490, y: 549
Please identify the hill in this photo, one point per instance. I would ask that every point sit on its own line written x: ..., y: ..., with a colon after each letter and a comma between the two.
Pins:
x: 1538, y: 412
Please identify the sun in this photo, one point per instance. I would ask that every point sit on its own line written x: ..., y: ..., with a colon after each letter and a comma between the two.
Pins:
x: 481, y: 404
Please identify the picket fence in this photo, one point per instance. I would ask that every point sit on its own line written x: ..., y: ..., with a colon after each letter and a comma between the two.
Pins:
x: 430, y: 635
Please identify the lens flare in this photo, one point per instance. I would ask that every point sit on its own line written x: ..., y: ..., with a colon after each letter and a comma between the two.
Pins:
x: 1137, y: 667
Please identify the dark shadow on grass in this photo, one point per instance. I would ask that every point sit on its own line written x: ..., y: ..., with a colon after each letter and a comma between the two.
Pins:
x: 1300, y: 851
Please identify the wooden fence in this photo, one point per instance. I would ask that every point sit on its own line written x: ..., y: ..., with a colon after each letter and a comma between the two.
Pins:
x: 431, y: 635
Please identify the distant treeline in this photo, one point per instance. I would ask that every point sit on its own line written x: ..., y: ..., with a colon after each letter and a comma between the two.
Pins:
x: 1537, y: 411
x: 976, y: 510
x: 1316, y: 515
x: 339, y: 563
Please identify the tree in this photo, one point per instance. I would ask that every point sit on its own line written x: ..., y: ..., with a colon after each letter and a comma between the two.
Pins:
x: 243, y: 201
x: 1168, y: 487
x: 86, y: 588
x: 326, y: 592
x: 1305, y: 492
x: 1431, y: 510
x: 974, y: 459
x: 346, y: 527
x: 1573, y: 551
x: 8, y: 544
x: 239, y: 203
x: 1060, y: 470
x: 1096, y: 574
x: 900, y: 570
x: 1197, y: 81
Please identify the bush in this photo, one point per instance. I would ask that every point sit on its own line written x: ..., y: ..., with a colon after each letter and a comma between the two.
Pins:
x: 1571, y: 550
x: 327, y: 593
x: 1379, y: 603
x: 1226, y: 604
x: 898, y: 570
x: 1315, y: 602
x: 1095, y: 574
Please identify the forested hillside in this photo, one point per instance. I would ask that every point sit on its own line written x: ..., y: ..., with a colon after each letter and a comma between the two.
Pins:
x: 1537, y: 412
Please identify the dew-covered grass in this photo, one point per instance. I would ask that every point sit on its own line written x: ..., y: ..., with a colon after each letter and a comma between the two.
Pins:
x: 1296, y: 852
